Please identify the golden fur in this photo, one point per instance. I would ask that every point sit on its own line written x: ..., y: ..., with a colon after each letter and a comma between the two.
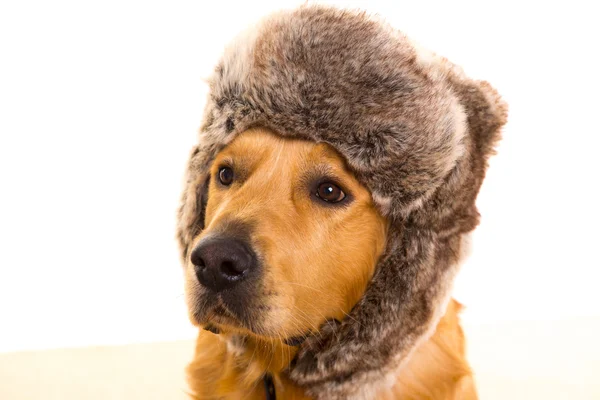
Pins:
x: 318, y: 260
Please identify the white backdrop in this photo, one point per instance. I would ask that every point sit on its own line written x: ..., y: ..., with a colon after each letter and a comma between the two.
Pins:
x: 100, y: 103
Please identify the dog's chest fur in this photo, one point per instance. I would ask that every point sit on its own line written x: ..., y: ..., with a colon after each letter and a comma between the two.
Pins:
x: 233, y: 367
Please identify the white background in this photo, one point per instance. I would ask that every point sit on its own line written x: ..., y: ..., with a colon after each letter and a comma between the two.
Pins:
x: 100, y: 103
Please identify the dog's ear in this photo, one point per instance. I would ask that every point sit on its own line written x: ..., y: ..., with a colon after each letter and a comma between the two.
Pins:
x: 191, y: 214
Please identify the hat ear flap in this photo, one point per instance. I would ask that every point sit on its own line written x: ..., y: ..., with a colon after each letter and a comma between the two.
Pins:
x: 485, y: 110
x: 412, y: 284
x: 192, y: 209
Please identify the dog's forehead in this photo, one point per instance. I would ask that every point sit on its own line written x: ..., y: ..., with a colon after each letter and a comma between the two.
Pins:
x: 262, y: 147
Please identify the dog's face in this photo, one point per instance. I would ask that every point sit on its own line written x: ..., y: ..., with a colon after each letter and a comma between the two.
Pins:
x: 291, y: 238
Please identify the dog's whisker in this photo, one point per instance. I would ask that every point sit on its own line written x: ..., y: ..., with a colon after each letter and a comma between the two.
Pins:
x: 251, y: 391
x: 272, y: 352
x: 304, y: 315
x: 324, y: 319
x: 304, y: 286
x: 298, y: 326
x: 351, y: 317
x: 280, y: 338
x: 334, y: 330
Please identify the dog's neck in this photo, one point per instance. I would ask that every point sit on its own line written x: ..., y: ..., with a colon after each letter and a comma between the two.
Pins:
x: 258, y: 356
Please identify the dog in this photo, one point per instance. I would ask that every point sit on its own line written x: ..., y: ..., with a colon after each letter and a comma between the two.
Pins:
x: 327, y: 209
x: 291, y: 240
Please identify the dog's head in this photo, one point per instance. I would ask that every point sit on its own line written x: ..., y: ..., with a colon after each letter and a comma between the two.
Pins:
x: 290, y: 238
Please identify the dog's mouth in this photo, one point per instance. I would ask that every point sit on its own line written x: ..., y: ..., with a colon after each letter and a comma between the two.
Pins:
x: 220, y: 317
x: 216, y: 312
x: 227, y: 312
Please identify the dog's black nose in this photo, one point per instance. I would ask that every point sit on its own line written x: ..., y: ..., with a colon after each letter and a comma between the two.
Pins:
x: 221, y: 263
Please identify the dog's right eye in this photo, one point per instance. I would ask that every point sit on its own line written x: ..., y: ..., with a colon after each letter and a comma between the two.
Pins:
x: 225, y: 176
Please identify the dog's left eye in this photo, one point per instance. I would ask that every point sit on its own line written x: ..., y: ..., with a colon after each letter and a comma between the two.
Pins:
x: 330, y: 192
x: 225, y: 176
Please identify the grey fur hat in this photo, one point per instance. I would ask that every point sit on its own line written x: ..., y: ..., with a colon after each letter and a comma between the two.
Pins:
x: 412, y: 127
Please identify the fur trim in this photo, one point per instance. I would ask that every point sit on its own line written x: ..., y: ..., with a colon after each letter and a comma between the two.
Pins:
x: 414, y: 129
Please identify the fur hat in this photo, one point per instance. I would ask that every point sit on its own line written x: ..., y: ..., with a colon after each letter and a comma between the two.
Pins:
x: 415, y: 131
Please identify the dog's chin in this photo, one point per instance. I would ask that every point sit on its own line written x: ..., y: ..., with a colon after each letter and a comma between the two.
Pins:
x: 215, y: 314
x: 226, y: 314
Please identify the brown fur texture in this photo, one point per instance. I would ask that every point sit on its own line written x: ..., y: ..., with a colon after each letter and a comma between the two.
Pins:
x: 413, y: 129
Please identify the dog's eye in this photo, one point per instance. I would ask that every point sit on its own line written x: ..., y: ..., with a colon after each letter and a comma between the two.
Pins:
x: 226, y: 176
x: 330, y: 192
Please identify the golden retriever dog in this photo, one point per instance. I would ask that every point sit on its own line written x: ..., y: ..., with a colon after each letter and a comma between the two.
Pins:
x: 291, y: 240
x: 327, y: 209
